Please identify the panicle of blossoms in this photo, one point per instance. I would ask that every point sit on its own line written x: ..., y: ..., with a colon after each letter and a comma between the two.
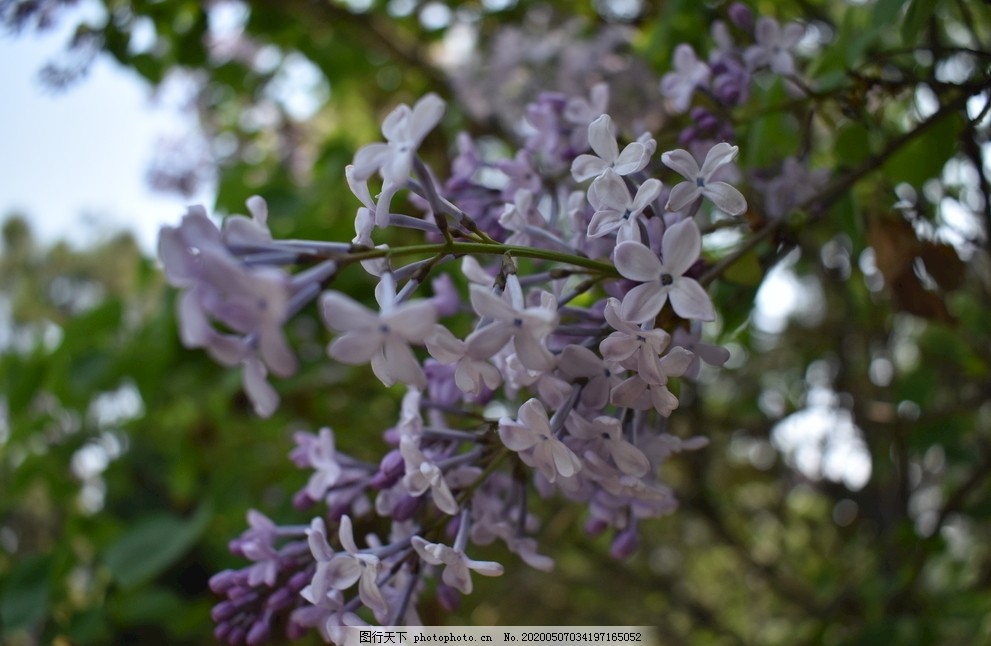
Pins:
x: 543, y: 357
x: 232, y: 277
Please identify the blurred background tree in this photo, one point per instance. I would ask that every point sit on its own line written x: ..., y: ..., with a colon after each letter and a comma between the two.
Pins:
x: 844, y: 497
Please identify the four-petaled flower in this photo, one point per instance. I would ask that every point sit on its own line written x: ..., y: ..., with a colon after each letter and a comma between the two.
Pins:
x: 602, y: 139
x: 456, y: 564
x: 404, y: 130
x: 774, y: 45
x: 383, y: 338
x: 342, y: 570
x: 689, y: 73
x: 530, y: 435
x: 700, y: 182
x: 664, y: 279
x: 527, y: 327
x: 615, y: 210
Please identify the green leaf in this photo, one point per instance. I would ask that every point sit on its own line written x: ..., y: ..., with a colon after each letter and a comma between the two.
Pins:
x: 152, y: 605
x: 152, y: 545
x: 853, y: 144
x: 25, y: 594
x: 918, y: 14
x: 925, y: 156
x: 774, y: 134
x: 885, y: 12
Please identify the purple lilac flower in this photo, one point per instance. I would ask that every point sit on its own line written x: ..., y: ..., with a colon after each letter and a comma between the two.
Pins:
x: 404, y: 130
x: 531, y: 437
x: 602, y: 139
x: 774, y: 46
x: 664, y: 279
x: 616, y: 211
x: 700, y: 183
x: 383, y: 339
x: 689, y: 73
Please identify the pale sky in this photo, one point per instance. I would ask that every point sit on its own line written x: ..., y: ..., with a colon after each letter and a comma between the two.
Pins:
x: 75, y: 161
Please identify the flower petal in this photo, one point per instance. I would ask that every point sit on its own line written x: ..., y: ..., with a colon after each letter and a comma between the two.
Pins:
x: 516, y: 436
x: 690, y: 301
x: 682, y: 195
x: 637, y: 262
x: 643, y: 302
x: 263, y: 397
x: 369, y: 159
x: 486, y: 341
x: 628, y: 458
x: 609, y: 191
x: 728, y: 199
x: 602, y: 138
x: 585, y: 167
x: 397, y: 363
x: 342, y: 313
x: 682, y: 162
x: 633, y: 158
x: 646, y: 194
x: 427, y: 113
x: 356, y: 347
x: 343, y: 571
x: 413, y: 321
x: 680, y: 247
x: 487, y: 304
x: 717, y: 157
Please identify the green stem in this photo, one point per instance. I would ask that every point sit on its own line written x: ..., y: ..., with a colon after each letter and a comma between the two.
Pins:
x: 458, y: 248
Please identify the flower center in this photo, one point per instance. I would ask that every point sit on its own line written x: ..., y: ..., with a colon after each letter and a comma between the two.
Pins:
x: 700, y: 182
x: 667, y: 279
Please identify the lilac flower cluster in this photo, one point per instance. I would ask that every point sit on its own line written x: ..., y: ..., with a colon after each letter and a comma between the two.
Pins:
x: 576, y: 271
x: 745, y: 48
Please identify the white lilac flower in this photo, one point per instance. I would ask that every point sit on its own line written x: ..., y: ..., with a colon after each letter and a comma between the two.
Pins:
x: 252, y: 302
x: 241, y: 231
x: 527, y: 327
x: 689, y: 73
x: 258, y: 545
x: 602, y: 139
x: 700, y: 183
x: 774, y: 45
x: 369, y: 214
x: 344, y: 569
x: 639, y: 394
x: 714, y: 355
x: 531, y: 437
x: 470, y: 374
x: 382, y: 338
x: 457, y: 566
x: 322, y: 458
x: 519, y: 217
x: 615, y: 210
x: 633, y: 346
x: 422, y: 475
x: 404, y: 130
x: 604, y: 436
x: 664, y: 279
x: 581, y: 112
x: 578, y: 362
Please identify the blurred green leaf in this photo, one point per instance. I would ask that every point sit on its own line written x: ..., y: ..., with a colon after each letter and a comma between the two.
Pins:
x: 152, y: 544
x: 26, y: 593
x: 918, y: 13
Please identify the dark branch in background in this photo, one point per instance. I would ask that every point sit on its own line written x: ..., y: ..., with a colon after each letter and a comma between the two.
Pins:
x: 820, y: 204
x: 969, y: 142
